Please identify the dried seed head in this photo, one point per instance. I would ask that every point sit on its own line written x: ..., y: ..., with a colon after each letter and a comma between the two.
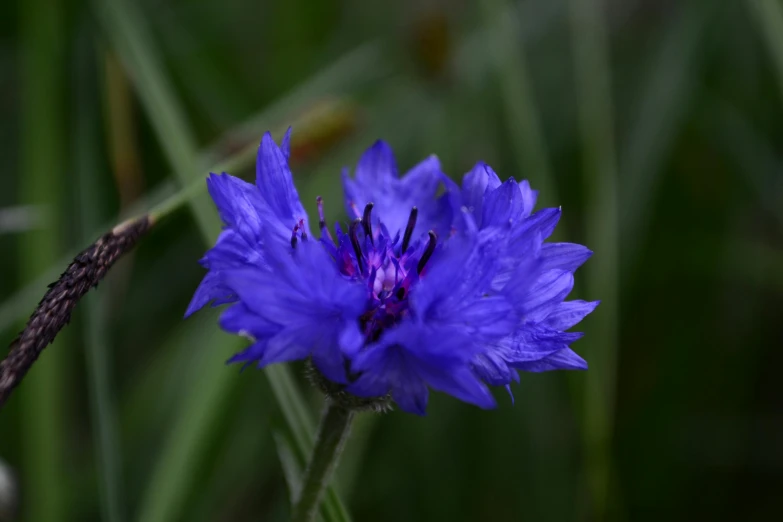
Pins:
x: 54, y: 310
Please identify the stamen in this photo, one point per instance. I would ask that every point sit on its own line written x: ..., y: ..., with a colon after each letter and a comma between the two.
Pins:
x: 406, y: 239
x: 355, y: 243
x: 302, y: 228
x: 321, y: 219
x: 366, y: 224
x: 293, y: 235
x: 427, y: 252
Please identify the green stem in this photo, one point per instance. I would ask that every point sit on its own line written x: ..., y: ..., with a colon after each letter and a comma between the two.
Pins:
x: 332, y: 434
x: 596, y: 115
x: 43, y: 182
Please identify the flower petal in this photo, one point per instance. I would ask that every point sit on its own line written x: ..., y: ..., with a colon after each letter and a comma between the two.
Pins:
x: 211, y: 288
x: 475, y: 184
x: 541, y: 223
x: 376, y: 181
x: 413, y: 355
x: 422, y: 179
x: 450, y: 297
x: 544, y: 295
x: 493, y: 370
x: 460, y: 382
x: 388, y: 368
x: 239, y: 319
x: 529, y: 197
x: 568, y: 313
x: 252, y: 353
x: 565, y: 359
x: 285, y: 144
x: 504, y: 205
x: 240, y: 206
x: 300, y: 304
x: 564, y: 256
x: 377, y: 165
x: 276, y: 185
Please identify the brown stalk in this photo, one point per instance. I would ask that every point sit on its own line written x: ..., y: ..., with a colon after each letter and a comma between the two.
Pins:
x: 54, y: 311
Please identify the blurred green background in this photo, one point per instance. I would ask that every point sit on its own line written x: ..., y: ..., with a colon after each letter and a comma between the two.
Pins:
x: 656, y: 124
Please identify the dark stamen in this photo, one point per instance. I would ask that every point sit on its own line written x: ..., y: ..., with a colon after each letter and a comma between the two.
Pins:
x: 293, y: 236
x: 321, y: 219
x: 427, y: 252
x: 400, y: 293
x: 355, y: 242
x: 302, y: 228
x: 366, y: 222
x: 406, y: 239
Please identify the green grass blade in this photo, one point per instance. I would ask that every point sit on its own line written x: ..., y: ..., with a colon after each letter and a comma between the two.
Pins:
x: 521, y: 114
x: 245, y: 462
x: 669, y: 87
x: 98, y: 349
x: 132, y: 42
x: 192, y: 430
x: 42, y: 176
x: 593, y: 84
x: 769, y: 17
x: 752, y: 153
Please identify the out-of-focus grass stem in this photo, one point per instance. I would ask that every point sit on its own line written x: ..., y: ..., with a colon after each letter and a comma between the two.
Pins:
x: 42, y: 28
x: 133, y: 44
x: 121, y: 126
x: 769, y: 16
x: 97, y: 344
x: 668, y: 89
x: 593, y: 87
x: 521, y: 115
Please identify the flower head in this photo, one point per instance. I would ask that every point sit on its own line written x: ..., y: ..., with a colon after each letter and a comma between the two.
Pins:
x: 452, y: 292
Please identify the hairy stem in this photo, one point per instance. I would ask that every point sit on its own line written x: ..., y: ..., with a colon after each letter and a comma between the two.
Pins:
x: 332, y: 434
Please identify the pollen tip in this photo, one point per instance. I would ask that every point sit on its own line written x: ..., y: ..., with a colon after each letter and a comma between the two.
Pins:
x: 425, y: 257
x: 366, y: 223
x: 355, y: 243
x: 406, y: 239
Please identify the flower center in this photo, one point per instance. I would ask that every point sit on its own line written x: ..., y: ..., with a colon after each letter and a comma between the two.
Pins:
x: 387, y: 266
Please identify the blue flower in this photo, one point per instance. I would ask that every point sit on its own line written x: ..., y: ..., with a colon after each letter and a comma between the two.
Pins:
x: 376, y: 181
x: 535, y: 276
x: 452, y: 293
